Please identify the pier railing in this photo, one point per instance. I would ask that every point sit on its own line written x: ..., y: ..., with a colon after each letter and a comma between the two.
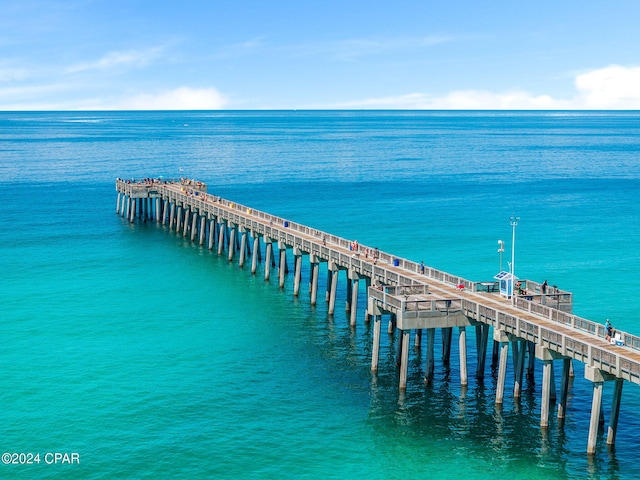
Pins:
x: 399, y: 299
x: 587, y: 353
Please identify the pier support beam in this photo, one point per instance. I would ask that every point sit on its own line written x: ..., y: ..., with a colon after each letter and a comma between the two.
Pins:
x: 504, y: 339
x: 482, y: 337
x: 221, y: 228
x: 447, y: 336
x: 375, y: 350
x: 598, y: 377
x: 282, y: 269
x: 405, y: 340
x: 203, y: 230
x: 564, y: 387
x: 548, y: 383
x: 531, y: 364
x: 254, y: 253
x: 334, y: 271
x: 187, y: 216
x: 132, y: 215
x: 146, y: 208
x: 267, y: 258
x: 546, y: 392
x: 367, y: 315
x: 172, y: 215
x: 327, y: 293
x: 596, y: 404
x: 519, y: 353
x: 495, y: 352
x: 212, y: 232
x: 315, y: 271
x: 462, y: 343
x: 243, y: 245
x: 615, y: 411
x: 163, y: 214
x: 354, y: 279
x: 417, y: 343
x: 123, y: 204
x: 179, y: 218
x: 232, y: 241
x: 142, y: 203
x: 194, y: 225
x: 430, y: 362
x: 297, y: 271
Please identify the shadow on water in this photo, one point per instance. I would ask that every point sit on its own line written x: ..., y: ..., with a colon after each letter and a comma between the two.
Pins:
x: 467, y: 420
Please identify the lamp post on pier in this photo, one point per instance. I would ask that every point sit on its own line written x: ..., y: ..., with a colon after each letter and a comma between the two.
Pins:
x: 513, y: 220
x: 500, y: 251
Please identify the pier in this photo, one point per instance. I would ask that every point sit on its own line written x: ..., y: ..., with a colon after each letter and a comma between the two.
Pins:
x: 535, y: 324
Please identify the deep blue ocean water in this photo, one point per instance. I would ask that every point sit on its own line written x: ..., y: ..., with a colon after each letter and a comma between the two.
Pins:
x: 152, y: 357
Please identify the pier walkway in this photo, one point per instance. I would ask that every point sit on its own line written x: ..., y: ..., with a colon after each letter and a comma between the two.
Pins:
x: 537, y: 325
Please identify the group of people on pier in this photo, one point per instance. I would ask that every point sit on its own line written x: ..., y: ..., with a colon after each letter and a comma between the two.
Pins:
x: 374, y: 253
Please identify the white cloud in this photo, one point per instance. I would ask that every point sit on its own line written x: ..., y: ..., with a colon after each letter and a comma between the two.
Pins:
x: 612, y: 87
x: 56, y: 97
x: 463, y: 100
x: 183, y: 98
x: 136, y: 58
x: 483, y: 100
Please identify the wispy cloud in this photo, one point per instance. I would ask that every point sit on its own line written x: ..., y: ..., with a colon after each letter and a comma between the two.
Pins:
x: 9, y: 75
x: 45, y: 96
x: 351, y: 49
x: 459, y: 100
x: 129, y: 58
x: 40, y: 98
x: 240, y: 49
x: 183, y: 98
x: 612, y: 88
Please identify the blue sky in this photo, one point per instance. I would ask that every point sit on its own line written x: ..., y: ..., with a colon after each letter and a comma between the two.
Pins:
x: 270, y: 54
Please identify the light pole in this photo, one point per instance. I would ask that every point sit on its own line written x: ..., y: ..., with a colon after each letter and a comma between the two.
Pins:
x: 513, y: 220
x: 500, y: 251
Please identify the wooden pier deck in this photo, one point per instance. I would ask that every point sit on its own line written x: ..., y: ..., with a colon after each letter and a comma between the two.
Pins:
x: 416, y: 297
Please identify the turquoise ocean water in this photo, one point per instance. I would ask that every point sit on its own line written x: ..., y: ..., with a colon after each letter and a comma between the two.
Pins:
x: 152, y: 357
